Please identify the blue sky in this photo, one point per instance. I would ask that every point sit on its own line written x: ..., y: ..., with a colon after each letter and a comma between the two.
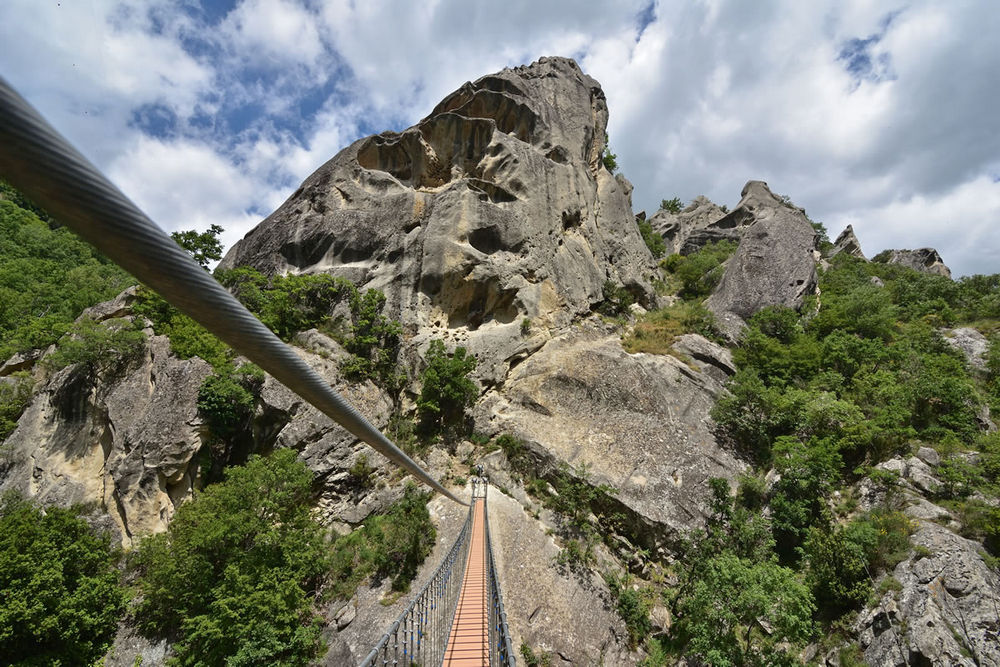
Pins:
x: 876, y: 114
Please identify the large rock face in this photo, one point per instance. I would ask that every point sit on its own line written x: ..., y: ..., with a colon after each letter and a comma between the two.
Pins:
x: 848, y: 243
x: 639, y: 423
x: 925, y: 260
x: 494, y: 208
x: 775, y: 264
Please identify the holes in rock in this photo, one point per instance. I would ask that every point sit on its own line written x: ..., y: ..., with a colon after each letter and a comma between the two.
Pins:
x: 558, y: 154
x: 486, y: 240
x: 570, y: 219
x: 490, y: 191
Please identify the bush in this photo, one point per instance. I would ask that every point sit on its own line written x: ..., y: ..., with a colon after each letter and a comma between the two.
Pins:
x: 616, y: 301
x: 671, y: 205
x: 633, y: 606
x: 609, y: 159
x: 446, y: 389
x: 98, y: 347
x: 187, y: 337
x: 234, y: 577
x: 652, y: 239
x: 60, y: 593
x: 701, y: 271
x: 393, y: 544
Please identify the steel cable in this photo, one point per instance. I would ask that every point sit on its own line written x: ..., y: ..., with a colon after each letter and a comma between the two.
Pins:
x: 40, y: 162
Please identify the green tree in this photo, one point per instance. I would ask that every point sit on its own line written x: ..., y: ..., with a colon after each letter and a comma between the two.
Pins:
x: 651, y: 238
x: 742, y: 612
x: 671, y: 205
x: 60, y: 592
x: 446, y: 388
x: 235, y: 576
x: 609, y: 159
x: 205, y: 247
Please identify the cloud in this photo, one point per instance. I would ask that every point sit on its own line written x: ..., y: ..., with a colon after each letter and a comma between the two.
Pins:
x: 860, y: 111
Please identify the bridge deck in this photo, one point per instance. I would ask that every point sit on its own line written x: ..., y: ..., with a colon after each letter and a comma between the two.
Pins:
x: 468, y: 643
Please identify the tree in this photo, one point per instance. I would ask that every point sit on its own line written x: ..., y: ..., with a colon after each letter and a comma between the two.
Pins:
x: 609, y: 159
x: 60, y: 592
x: 671, y: 205
x: 447, y: 389
x: 234, y: 577
x: 205, y: 247
x: 740, y: 612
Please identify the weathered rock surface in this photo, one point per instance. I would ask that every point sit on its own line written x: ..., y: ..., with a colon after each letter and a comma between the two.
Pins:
x: 124, y: 441
x: 494, y: 208
x: 925, y: 260
x: 640, y: 423
x: 848, y: 243
x: 697, y: 217
x: 971, y: 343
x: 946, y: 612
x: 775, y: 264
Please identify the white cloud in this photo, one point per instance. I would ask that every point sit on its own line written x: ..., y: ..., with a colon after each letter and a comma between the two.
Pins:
x: 709, y: 95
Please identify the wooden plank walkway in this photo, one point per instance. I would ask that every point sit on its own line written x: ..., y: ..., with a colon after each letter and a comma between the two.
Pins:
x: 468, y: 643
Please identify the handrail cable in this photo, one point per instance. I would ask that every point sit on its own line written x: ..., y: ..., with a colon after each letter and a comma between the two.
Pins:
x: 40, y: 162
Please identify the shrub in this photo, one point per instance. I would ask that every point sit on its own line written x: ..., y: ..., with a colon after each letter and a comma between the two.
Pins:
x: 15, y: 392
x: 234, y: 577
x: 609, y: 159
x: 107, y: 346
x: 446, y: 389
x: 700, y: 271
x: 204, y: 247
x: 393, y: 544
x: 632, y: 605
x: 60, y: 593
x: 671, y: 205
x: 187, y: 337
x: 652, y: 239
x: 616, y: 301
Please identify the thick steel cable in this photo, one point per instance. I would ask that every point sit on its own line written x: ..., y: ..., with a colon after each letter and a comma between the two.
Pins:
x: 40, y: 162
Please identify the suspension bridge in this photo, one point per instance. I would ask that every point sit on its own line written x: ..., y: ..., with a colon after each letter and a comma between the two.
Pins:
x: 457, y: 619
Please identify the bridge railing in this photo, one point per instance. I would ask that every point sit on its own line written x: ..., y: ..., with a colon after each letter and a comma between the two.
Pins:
x: 501, y: 652
x: 420, y: 634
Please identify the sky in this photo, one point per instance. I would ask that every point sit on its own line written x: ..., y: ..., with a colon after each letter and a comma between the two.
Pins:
x: 880, y: 114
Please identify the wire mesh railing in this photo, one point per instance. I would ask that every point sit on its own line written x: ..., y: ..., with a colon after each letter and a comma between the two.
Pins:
x: 420, y: 635
x: 501, y: 652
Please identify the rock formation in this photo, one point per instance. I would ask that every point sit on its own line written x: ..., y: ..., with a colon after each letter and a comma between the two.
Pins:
x: 848, y: 243
x: 775, y: 264
x: 690, y: 229
x: 494, y: 208
x: 925, y: 260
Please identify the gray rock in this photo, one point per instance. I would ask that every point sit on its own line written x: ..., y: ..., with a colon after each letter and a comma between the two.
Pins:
x: 639, y: 423
x: 925, y: 260
x: 946, y: 613
x: 928, y: 456
x: 21, y: 361
x: 848, y: 243
x: 494, y: 208
x: 123, y: 440
x: 969, y: 342
x: 774, y: 264
x: 677, y: 228
x: 130, y: 649
x: 710, y: 357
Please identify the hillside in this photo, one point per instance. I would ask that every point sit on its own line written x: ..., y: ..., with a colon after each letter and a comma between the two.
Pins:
x: 715, y: 436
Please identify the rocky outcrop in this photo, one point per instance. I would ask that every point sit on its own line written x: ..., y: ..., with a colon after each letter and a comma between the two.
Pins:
x: 694, y: 223
x: 971, y: 343
x: 775, y: 264
x: 639, y: 423
x: 494, y: 208
x: 946, y: 612
x: 925, y: 260
x: 848, y: 243
x: 124, y: 440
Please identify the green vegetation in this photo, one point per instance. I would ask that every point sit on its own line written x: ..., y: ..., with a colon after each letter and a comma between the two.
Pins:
x: 227, y: 400
x: 656, y: 331
x: 633, y: 605
x: 533, y: 659
x: 651, y: 238
x: 235, y: 576
x: 60, y: 592
x: 391, y: 544
x: 609, y: 159
x: 446, y: 389
x: 699, y: 272
x: 98, y: 347
x: 617, y: 300
x: 672, y: 205
x: 15, y: 392
x: 47, y: 276
x: 204, y: 247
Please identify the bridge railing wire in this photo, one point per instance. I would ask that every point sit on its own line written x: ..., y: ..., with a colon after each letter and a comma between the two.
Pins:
x: 501, y: 651
x: 420, y: 635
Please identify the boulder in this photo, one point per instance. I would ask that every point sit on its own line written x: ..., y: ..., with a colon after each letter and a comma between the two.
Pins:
x: 946, y: 612
x: 639, y: 423
x: 775, y: 264
x: 494, y: 208
x: 925, y: 260
x: 972, y: 344
x: 848, y: 243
